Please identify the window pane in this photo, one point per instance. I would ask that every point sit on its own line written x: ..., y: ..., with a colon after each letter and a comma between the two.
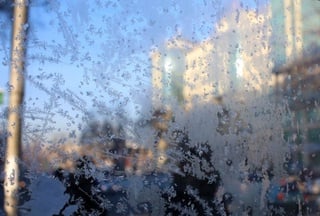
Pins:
x: 161, y: 107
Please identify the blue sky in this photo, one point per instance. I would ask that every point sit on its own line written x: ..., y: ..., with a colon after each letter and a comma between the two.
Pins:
x: 98, y: 54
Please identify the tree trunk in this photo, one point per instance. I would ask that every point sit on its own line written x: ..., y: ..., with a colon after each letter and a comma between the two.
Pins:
x: 15, y: 112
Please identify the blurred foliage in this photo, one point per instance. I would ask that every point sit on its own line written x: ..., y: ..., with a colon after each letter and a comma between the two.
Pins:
x: 101, y: 132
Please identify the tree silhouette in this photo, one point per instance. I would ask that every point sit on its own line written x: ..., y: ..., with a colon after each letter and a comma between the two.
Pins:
x: 195, y: 187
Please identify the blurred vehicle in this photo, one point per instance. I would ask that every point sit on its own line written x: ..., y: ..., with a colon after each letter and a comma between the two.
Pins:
x: 285, y: 197
x: 312, y: 195
x: 310, y: 175
x: 311, y: 192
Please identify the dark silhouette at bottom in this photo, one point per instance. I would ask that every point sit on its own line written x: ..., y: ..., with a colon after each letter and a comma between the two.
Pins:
x: 80, y: 186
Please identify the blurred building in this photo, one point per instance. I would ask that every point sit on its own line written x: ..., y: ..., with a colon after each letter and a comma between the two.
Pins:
x: 296, y: 56
x: 295, y: 29
x: 244, y: 48
x: 299, y: 90
x: 234, y: 59
x: 231, y: 64
x: 295, y: 34
x: 238, y: 60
